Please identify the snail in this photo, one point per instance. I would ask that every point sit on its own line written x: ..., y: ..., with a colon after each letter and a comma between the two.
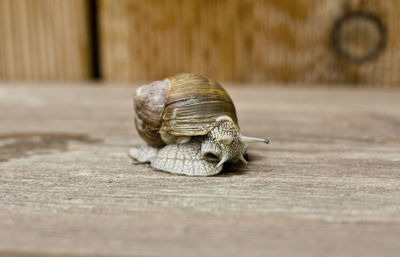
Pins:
x: 190, y: 126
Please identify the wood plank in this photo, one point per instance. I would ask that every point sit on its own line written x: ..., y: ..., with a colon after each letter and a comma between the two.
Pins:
x: 327, y: 185
x: 242, y: 40
x: 44, y: 40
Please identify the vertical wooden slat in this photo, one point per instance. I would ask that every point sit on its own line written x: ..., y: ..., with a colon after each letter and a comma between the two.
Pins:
x: 240, y: 40
x: 9, y: 61
x: 44, y: 39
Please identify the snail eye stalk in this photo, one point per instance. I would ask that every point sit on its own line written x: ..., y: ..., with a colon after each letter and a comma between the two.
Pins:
x: 253, y: 139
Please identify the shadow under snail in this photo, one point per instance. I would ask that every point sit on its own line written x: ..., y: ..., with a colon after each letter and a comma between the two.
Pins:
x: 190, y: 125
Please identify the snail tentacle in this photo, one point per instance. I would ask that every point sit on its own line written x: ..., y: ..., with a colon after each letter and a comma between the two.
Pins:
x: 253, y: 139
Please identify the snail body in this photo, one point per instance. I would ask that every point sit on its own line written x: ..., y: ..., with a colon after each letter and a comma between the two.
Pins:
x: 190, y: 125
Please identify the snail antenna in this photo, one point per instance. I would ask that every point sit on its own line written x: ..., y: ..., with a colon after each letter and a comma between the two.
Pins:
x: 253, y: 139
x: 223, y: 159
x: 242, y: 159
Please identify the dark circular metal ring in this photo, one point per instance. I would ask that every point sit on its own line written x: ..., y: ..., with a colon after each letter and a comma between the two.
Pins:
x: 369, y: 17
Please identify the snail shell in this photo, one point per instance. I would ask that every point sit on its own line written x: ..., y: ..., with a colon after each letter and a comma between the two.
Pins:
x: 179, y: 107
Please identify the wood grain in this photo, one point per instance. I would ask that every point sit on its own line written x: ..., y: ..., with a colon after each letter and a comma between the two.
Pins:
x: 327, y: 185
x: 241, y: 40
x: 44, y: 40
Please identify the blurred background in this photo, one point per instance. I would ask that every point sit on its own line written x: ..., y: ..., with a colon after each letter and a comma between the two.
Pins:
x: 355, y: 42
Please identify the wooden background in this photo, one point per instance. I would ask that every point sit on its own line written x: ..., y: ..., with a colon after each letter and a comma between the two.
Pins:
x: 44, y: 39
x: 253, y: 41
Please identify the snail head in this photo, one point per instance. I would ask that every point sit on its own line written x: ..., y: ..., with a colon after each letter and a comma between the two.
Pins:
x: 224, y: 143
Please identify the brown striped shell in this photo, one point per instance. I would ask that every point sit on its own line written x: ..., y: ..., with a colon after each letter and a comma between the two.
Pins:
x: 183, y: 105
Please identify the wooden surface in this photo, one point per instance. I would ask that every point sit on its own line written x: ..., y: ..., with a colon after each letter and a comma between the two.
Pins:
x: 44, y: 40
x: 327, y: 185
x: 229, y: 40
x: 244, y: 40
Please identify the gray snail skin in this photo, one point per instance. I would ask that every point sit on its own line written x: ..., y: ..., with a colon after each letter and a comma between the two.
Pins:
x: 190, y: 126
